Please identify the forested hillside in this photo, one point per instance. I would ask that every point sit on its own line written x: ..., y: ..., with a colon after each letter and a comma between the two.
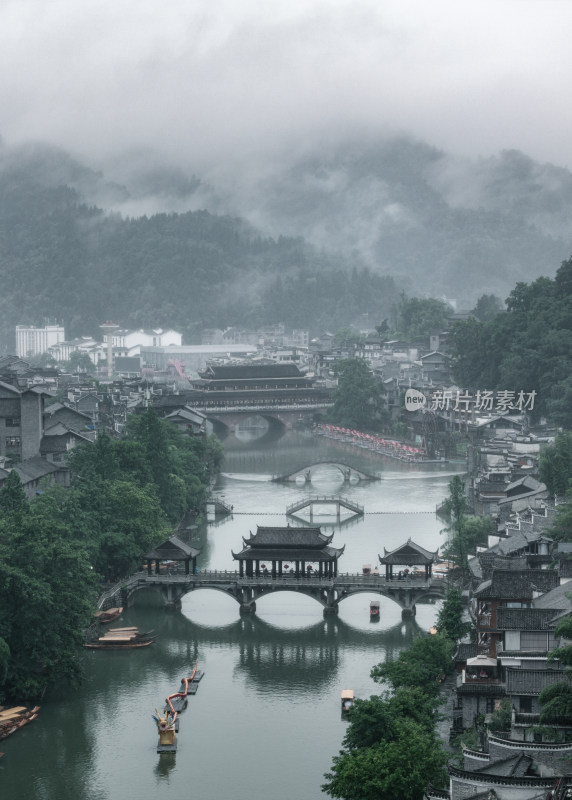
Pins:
x: 61, y: 258
x: 313, y: 242
x: 528, y: 348
x: 445, y: 225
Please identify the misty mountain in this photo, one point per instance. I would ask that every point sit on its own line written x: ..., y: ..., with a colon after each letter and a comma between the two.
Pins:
x: 448, y: 226
x: 66, y: 258
x: 314, y: 241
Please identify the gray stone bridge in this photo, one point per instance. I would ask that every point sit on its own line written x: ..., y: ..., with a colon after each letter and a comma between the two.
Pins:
x: 307, y: 471
x: 280, y: 417
x: 329, y: 592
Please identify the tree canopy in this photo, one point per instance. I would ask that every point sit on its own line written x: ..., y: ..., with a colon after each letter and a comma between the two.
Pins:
x: 450, y: 618
x: 422, y: 665
x: 390, y: 748
x: 358, y: 399
x: 528, y: 348
x: 55, y: 551
x: 555, y: 467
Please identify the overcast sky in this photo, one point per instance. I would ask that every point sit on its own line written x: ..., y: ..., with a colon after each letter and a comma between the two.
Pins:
x: 206, y: 81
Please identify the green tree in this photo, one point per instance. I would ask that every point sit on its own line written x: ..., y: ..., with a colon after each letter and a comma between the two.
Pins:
x: 422, y: 665
x: 80, y: 362
x: 561, y: 531
x: 473, y: 531
x: 487, y: 307
x: 417, y: 318
x: 47, y: 590
x: 455, y: 507
x: 555, y: 466
x: 501, y: 720
x: 374, y: 719
x: 358, y: 400
x: 450, y: 618
x: 556, y: 700
x: 395, y: 769
x: 13, y: 498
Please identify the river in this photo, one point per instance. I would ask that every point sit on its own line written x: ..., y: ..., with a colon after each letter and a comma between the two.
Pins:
x: 266, y: 719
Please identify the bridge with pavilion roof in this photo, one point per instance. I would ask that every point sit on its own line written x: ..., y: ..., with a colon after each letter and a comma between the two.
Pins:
x: 277, y: 559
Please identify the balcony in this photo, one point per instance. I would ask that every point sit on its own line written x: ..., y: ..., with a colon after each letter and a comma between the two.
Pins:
x: 484, y: 620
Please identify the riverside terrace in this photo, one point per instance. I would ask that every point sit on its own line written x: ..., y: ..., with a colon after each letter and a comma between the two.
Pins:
x: 301, y: 560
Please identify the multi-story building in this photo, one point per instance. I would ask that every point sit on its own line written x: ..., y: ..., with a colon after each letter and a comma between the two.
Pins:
x: 32, y: 341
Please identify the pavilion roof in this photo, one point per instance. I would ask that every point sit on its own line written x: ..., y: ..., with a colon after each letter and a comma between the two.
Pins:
x: 326, y: 554
x: 288, y: 538
x: 172, y: 549
x: 409, y: 553
x: 251, y: 371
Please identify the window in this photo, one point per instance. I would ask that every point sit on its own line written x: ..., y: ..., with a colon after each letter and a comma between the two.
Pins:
x: 525, y: 705
x: 12, y: 441
x: 12, y: 422
x: 533, y: 640
x: 490, y: 706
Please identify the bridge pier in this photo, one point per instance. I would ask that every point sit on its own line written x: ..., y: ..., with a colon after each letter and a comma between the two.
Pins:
x: 171, y: 595
x: 247, y: 604
x: 409, y: 612
x: 331, y: 603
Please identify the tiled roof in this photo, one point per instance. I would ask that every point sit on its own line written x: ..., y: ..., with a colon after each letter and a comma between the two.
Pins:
x: 34, y: 468
x: 518, y: 584
x: 172, y: 549
x: 408, y: 553
x: 289, y: 536
x: 270, y: 554
x: 465, y: 650
x: 524, y: 619
x: 249, y: 371
x: 555, y: 598
x: 531, y: 681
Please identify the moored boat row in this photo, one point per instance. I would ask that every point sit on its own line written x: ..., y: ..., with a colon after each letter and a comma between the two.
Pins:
x: 121, y: 639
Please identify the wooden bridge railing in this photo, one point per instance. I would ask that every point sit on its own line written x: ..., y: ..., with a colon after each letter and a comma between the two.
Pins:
x: 222, y: 577
x: 330, y: 499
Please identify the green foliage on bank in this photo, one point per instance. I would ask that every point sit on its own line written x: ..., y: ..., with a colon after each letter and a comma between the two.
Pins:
x: 464, y: 532
x: 527, y: 348
x: 391, y: 749
x: 126, y: 496
x: 358, y: 398
x: 450, y: 618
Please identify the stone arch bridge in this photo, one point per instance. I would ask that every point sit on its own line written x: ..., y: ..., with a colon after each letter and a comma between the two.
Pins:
x: 329, y: 592
x: 280, y: 418
x: 307, y: 472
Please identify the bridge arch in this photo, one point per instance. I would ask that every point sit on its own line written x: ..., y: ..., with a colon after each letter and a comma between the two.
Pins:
x: 347, y: 470
x: 328, y: 592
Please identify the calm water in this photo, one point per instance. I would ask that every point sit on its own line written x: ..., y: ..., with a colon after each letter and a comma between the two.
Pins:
x: 266, y: 719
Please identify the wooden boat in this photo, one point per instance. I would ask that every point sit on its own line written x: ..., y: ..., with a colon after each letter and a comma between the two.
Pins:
x: 118, y: 645
x: 168, y: 722
x: 13, y: 718
x: 374, y: 610
x: 121, y: 639
x: 109, y: 615
x: 348, y: 699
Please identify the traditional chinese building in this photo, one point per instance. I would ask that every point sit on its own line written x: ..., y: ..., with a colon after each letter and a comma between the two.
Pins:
x: 172, y: 549
x: 405, y: 557
x: 288, y: 551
